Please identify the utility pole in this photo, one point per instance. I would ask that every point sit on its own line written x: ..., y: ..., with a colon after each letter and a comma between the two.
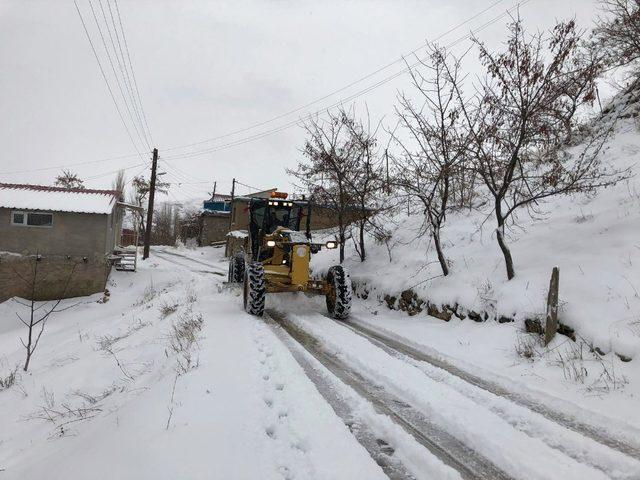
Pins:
x: 152, y: 193
x: 233, y: 192
x: 213, y: 195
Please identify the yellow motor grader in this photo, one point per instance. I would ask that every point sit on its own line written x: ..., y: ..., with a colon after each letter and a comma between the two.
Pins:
x: 275, y: 257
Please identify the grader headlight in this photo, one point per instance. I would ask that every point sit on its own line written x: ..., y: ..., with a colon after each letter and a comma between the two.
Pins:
x: 271, y: 243
x: 331, y: 244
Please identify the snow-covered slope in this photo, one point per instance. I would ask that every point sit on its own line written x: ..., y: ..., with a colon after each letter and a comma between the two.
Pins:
x: 594, y: 240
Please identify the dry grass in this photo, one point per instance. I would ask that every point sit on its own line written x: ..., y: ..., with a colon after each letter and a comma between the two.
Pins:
x: 94, y: 399
x: 183, y: 340
x: 167, y: 309
x: 149, y: 294
x: 584, y: 364
x: 487, y: 295
x: 184, y: 337
x: 65, y: 414
x: 9, y: 380
x: 190, y: 295
x: 572, y: 361
x: 105, y: 342
x: 528, y: 346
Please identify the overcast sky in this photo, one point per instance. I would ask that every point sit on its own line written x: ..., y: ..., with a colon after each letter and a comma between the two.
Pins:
x: 205, y: 69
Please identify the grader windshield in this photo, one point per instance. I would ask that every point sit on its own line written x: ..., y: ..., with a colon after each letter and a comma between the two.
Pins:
x: 266, y: 215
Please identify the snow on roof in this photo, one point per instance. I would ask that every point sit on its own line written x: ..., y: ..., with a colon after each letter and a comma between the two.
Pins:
x: 56, y: 199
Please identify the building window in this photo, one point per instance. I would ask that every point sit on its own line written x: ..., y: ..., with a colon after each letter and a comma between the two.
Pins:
x: 32, y: 219
x: 17, y: 218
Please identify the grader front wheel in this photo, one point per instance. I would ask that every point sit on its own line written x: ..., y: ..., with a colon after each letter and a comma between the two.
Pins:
x: 338, y: 292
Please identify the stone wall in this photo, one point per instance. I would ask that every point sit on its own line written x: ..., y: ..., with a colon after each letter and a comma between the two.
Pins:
x: 323, y: 218
x: 55, y: 276
x: 214, y: 228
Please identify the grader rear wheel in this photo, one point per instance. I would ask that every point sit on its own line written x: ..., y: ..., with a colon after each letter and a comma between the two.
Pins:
x: 338, y: 292
x: 236, y: 269
x: 255, y: 289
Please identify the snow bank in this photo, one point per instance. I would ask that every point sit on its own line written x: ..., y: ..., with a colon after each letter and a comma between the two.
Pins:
x: 594, y: 240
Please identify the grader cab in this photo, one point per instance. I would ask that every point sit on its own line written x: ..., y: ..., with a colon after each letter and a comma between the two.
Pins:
x: 276, y: 254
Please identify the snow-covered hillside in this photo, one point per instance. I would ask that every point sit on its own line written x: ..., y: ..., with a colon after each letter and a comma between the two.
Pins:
x: 595, y: 242
x: 593, y: 239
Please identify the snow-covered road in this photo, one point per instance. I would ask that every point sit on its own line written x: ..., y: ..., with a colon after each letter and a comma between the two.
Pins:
x: 449, y: 411
x: 293, y: 395
x: 522, y: 442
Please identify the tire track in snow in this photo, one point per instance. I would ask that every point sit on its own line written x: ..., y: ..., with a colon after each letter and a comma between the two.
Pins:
x: 162, y: 255
x: 379, y: 450
x: 483, y: 431
x: 396, y: 347
x: 444, y: 446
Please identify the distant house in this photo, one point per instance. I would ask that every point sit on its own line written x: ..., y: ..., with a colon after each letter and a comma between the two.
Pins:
x: 68, y: 229
x: 214, y: 222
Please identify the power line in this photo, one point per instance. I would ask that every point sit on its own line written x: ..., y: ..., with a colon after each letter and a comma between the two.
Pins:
x: 115, y: 171
x: 181, y: 180
x: 290, y: 124
x: 364, y: 91
x: 133, y: 74
x: 179, y: 177
x: 255, y: 189
x: 104, y: 77
x: 123, y: 68
x: 184, y: 173
x: 146, y: 165
x: 90, y: 162
x: 113, y: 68
x: 186, y: 190
x: 339, y: 90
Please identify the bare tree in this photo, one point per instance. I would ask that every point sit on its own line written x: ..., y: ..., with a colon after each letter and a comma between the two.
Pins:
x: 188, y: 223
x: 118, y: 184
x: 431, y: 167
x: 38, y: 315
x: 618, y: 31
x: 331, y: 155
x: 526, y: 109
x: 69, y: 180
x: 139, y: 195
x: 365, y: 180
x: 163, y: 231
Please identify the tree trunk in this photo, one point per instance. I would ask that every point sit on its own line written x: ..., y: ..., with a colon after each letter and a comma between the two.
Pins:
x: 32, y: 304
x: 26, y: 363
x: 441, y: 258
x: 341, y: 241
x: 362, y: 251
x: 508, y: 260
